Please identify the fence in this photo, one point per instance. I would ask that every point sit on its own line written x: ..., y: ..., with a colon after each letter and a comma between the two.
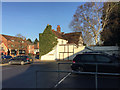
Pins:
x: 88, y: 73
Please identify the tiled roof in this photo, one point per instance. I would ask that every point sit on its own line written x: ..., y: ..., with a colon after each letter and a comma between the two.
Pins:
x: 17, y: 43
x: 29, y: 43
x: 70, y: 37
x: 59, y: 35
x: 11, y: 37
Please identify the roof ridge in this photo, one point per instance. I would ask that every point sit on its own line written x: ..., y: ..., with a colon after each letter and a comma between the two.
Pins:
x: 11, y: 36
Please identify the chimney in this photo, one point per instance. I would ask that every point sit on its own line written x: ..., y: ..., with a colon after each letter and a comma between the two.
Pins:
x: 58, y: 29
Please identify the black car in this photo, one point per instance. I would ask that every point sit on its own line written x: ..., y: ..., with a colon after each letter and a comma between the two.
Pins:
x: 37, y: 57
x: 21, y: 60
x: 88, y: 61
x: 5, y: 59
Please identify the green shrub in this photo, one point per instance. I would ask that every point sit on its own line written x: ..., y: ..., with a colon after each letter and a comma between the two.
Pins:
x: 47, y: 41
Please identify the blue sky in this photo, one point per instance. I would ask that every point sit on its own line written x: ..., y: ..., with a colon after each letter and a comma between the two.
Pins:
x: 31, y: 18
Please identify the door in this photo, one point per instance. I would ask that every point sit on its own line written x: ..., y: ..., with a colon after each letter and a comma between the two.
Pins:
x: 90, y: 61
x: 106, y: 64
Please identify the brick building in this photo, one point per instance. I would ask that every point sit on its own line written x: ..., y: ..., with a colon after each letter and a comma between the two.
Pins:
x: 13, y: 46
x: 30, y: 48
x: 36, y: 48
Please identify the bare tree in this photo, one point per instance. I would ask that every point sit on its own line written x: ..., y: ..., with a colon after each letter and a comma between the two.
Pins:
x: 87, y: 19
x: 20, y: 36
x: 21, y: 43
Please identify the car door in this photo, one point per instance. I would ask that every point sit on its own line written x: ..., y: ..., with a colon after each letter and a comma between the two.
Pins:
x: 106, y: 64
x: 88, y: 61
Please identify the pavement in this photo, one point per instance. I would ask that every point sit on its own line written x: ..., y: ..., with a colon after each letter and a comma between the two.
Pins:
x: 4, y: 64
x: 42, y: 75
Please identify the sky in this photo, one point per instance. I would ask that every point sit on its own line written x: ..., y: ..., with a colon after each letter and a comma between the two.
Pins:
x: 31, y: 18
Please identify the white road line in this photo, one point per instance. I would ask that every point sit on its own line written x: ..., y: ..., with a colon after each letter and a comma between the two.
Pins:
x: 62, y: 80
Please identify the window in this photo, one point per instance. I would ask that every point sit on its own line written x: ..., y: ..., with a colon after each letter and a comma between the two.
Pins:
x: 87, y: 58
x: 12, y: 51
x: 21, y: 51
x: 101, y: 58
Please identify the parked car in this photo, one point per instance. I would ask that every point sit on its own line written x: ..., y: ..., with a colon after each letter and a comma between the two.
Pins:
x: 8, y: 57
x: 37, y: 57
x: 21, y: 60
x: 116, y: 56
x: 5, y: 59
x: 87, y: 62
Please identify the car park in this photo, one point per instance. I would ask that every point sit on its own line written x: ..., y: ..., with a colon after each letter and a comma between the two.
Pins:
x: 21, y: 60
x: 88, y: 62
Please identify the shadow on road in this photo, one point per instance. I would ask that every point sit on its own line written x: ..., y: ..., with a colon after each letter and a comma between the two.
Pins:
x: 25, y: 77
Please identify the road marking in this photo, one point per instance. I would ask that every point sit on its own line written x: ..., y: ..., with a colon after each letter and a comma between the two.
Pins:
x: 62, y: 80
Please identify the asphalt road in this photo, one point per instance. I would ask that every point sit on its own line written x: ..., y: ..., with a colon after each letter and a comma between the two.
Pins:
x: 25, y: 76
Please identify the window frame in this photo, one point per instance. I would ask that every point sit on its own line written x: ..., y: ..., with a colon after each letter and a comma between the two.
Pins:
x: 110, y: 59
x: 80, y: 55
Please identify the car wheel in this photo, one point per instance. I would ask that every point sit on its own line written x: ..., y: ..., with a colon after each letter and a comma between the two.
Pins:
x: 22, y: 63
x: 80, y: 69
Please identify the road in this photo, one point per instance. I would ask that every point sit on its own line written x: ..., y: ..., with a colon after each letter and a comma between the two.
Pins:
x: 25, y: 76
